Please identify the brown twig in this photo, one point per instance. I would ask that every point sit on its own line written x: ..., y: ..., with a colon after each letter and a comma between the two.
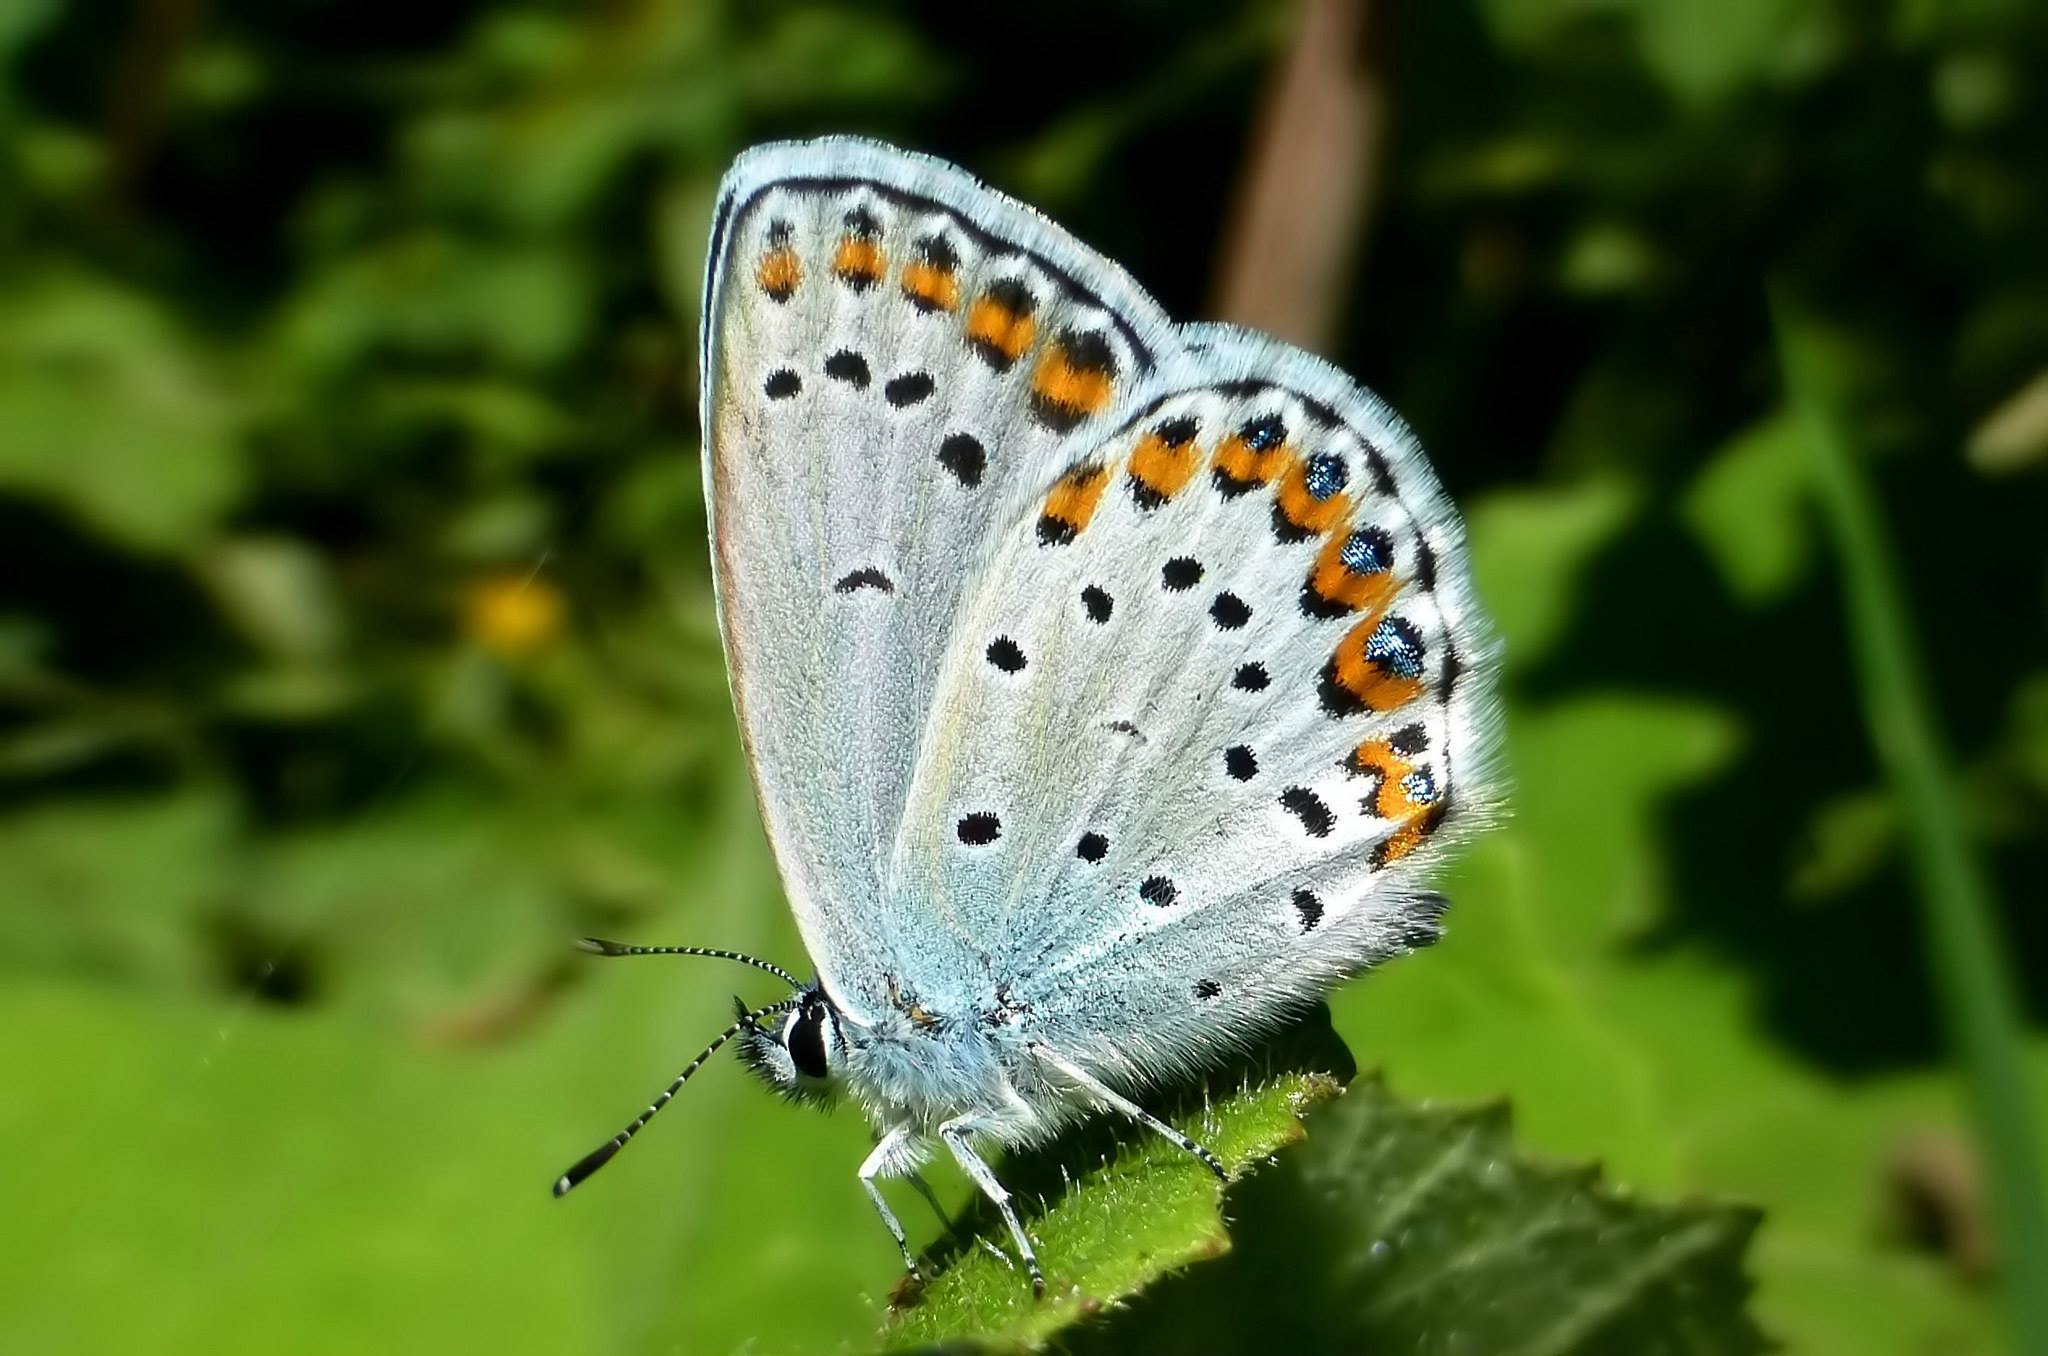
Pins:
x: 1310, y: 180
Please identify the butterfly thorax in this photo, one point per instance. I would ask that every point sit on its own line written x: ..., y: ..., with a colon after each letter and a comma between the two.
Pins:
x: 925, y: 1075
x: 914, y: 1064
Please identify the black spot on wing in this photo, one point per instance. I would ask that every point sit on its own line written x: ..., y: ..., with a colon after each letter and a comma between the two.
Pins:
x: 868, y: 577
x: 1012, y: 295
x: 1250, y: 678
x: 782, y: 384
x: 1382, y: 479
x: 1309, y: 907
x: 1336, y: 700
x: 938, y: 251
x: 849, y: 367
x: 1286, y: 530
x: 909, y: 389
x: 979, y: 829
x: 1316, y: 607
x: 962, y: 454
x: 1093, y: 847
x: 1006, y: 654
x: 1098, y: 603
x: 1309, y: 808
x: 1229, y: 611
x: 1180, y: 574
x: 1425, y: 564
x: 1159, y: 891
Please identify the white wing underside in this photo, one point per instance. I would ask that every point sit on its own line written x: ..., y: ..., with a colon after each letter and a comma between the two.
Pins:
x: 1165, y: 689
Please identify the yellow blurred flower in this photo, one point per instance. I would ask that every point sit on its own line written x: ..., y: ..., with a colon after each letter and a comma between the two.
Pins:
x: 513, y: 615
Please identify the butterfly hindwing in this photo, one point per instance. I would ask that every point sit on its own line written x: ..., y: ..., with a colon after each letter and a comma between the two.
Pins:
x: 896, y: 361
x: 1211, y: 714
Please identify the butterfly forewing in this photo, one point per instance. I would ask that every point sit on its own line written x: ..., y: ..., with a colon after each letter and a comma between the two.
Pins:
x: 897, y: 361
x: 1210, y: 715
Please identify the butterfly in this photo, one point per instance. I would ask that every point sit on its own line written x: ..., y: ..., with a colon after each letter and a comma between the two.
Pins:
x: 1111, y: 687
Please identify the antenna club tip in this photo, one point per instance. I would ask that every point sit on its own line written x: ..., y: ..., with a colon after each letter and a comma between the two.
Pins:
x: 596, y: 946
x: 562, y: 1186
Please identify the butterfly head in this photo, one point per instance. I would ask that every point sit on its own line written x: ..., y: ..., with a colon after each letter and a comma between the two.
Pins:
x: 799, y: 1053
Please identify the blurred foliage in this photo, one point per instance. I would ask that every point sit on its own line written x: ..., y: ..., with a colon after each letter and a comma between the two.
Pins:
x: 356, y: 647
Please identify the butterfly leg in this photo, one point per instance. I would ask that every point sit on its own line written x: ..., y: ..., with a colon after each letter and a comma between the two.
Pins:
x: 924, y: 1189
x: 888, y: 1152
x: 1111, y: 1098
x: 955, y: 1133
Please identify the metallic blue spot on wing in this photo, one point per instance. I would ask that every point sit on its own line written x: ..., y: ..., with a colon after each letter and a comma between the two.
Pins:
x: 1395, y: 648
x: 1325, y: 475
x: 1367, y: 551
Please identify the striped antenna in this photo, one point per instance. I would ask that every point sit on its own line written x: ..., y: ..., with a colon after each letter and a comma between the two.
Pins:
x: 602, y: 1155
x: 598, y: 946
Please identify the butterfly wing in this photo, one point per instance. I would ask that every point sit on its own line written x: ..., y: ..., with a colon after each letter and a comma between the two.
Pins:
x: 1216, y: 708
x: 896, y: 360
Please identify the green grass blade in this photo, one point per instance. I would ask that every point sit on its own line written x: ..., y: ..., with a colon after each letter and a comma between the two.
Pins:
x: 1971, y: 979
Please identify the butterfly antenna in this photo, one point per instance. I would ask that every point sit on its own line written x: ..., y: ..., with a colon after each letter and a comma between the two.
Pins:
x: 598, y: 946
x: 602, y: 1155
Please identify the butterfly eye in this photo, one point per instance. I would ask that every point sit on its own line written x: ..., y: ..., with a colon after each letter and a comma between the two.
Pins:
x: 805, y: 1040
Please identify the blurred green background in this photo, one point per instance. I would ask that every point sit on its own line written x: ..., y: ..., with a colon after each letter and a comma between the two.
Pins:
x: 356, y: 647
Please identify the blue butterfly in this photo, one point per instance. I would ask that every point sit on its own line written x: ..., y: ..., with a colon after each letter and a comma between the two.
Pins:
x: 1112, y: 687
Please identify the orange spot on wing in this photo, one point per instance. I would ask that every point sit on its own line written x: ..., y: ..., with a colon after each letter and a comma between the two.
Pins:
x: 1235, y: 459
x: 779, y: 272
x: 1335, y: 583
x: 934, y: 288
x: 1072, y: 503
x: 1161, y: 467
x: 858, y: 260
x: 1308, y: 513
x: 1001, y: 332
x: 1373, y: 687
x: 1390, y: 799
x: 1068, y: 391
x: 1418, y: 826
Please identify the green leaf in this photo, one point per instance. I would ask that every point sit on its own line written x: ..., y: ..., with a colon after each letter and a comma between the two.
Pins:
x: 1748, y: 508
x: 1417, y: 1229
x: 112, y: 413
x: 1144, y: 1210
